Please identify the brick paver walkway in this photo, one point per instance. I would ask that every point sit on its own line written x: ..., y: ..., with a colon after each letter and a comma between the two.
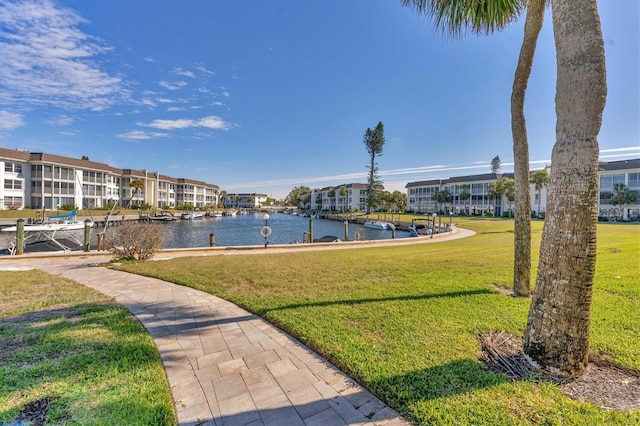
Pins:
x: 225, y: 365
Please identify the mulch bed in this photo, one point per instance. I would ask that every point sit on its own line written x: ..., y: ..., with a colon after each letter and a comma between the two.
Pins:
x: 603, y: 383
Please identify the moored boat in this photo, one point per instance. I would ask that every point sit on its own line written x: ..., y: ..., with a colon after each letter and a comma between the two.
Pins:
x: 191, y: 215
x: 64, y: 222
x: 379, y: 225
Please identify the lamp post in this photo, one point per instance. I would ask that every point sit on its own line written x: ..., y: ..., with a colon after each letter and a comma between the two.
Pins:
x: 58, y: 209
x: 265, y: 231
x: 450, y: 220
x: 433, y: 230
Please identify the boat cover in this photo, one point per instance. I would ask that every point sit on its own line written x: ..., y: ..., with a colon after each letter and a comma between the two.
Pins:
x: 64, y: 216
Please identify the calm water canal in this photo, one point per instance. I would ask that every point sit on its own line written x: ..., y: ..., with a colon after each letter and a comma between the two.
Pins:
x: 244, y: 230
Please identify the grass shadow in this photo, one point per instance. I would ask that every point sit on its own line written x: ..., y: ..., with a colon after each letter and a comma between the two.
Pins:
x: 379, y: 299
x: 86, y: 349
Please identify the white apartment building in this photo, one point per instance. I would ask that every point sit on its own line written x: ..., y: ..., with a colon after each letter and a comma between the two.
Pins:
x: 420, y: 195
x: 245, y: 201
x: 349, y: 197
x: 41, y: 180
x: 626, y: 172
x: 199, y: 194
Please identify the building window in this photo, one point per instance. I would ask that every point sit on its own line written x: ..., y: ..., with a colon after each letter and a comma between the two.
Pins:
x: 634, y: 180
x: 12, y: 184
x: 13, y: 167
x: 12, y: 202
x: 607, y: 181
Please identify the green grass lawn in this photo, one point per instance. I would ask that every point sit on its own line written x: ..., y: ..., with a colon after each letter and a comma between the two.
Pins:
x: 75, y: 357
x: 403, y: 320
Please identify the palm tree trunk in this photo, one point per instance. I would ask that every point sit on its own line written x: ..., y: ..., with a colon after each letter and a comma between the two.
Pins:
x: 557, y: 333
x: 539, y: 202
x: 522, y: 231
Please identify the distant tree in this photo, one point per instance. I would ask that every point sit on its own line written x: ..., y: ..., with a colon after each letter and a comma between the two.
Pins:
x: 343, y: 193
x: 496, y: 164
x: 84, y: 157
x: 621, y: 197
x: 298, y: 196
x: 540, y: 178
x: 223, y: 196
x: 137, y: 185
x: 496, y: 191
x: 465, y: 194
x: 508, y: 186
x: 399, y: 200
x: 374, y: 141
x: 442, y: 197
x: 332, y: 194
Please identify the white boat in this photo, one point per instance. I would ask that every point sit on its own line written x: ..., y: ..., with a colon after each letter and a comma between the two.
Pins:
x: 231, y: 213
x: 56, y: 232
x: 65, y: 222
x: 379, y: 225
x: 191, y: 215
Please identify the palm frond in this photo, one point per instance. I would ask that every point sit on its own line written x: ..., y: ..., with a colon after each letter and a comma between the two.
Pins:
x: 456, y: 17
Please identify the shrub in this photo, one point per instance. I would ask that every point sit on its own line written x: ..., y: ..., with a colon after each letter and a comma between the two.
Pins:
x: 134, y: 240
x: 186, y: 206
x: 144, y: 206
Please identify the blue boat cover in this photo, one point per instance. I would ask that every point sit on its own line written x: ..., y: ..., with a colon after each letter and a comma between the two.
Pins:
x: 64, y: 216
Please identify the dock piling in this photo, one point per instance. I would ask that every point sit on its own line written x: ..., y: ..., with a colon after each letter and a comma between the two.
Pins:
x: 87, y: 235
x: 20, y: 237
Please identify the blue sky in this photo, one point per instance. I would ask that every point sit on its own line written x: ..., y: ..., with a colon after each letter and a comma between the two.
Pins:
x: 263, y: 96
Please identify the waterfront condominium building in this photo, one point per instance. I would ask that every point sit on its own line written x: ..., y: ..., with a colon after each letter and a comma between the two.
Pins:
x: 422, y: 196
x: 245, y: 201
x: 627, y: 173
x: 41, y: 180
x: 348, y: 197
x: 472, y: 194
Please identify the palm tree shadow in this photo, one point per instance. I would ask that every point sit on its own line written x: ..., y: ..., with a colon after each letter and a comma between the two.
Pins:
x: 378, y: 299
x: 454, y: 378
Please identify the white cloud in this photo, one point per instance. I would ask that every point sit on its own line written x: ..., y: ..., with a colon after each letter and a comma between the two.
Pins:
x: 180, y: 71
x: 10, y: 120
x: 632, y: 148
x: 148, y: 102
x: 47, y: 60
x: 63, y: 120
x: 211, y: 122
x: 139, y: 135
x: 172, y: 86
x: 204, y: 70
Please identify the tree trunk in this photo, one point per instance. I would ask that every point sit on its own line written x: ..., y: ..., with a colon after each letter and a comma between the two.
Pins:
x: 522, y: 231
x: 557, y: 333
